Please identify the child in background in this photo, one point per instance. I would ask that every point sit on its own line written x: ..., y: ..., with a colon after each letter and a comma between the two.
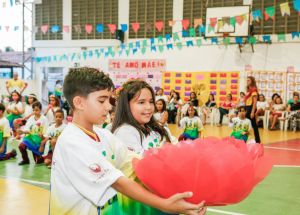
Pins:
x: 241, y: 125
x: 27, y: 113
x: 134, y: 121
x: 192, y: 125
x: 89, y: 162
x: 208, y: 106
x: 4, y: 135
x: 34, y: 130
x: 161, y: 114
x: 15, y: 108
x: 54, y: 105
x: 52, y: 134
x: 112, y: 114
x: 276, y: 111
x: 261, y: 106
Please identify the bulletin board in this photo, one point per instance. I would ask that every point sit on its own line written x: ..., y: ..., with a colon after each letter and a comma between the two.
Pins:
x: 293, y: 83
x: 217, y: 83
x: 150, y: 70
x: 270, y: 82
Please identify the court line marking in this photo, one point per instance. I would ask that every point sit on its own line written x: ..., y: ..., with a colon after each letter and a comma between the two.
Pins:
x: 223, y: 212
x: 279, y: 148
x: 27, y: 180
x: 287, y: 166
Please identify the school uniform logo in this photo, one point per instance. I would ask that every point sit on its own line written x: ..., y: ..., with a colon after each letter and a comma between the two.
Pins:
x: 95, y: 168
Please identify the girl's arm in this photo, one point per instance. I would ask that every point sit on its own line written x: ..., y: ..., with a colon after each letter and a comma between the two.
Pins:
x: 164, y: 118
x: 3, y: 145
x: 254, y: 101
x: 43, y: 143
x: 174, y: 204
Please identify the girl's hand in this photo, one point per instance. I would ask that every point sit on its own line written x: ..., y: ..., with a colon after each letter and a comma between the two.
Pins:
x: 177, y: 204
x: 252, y: 115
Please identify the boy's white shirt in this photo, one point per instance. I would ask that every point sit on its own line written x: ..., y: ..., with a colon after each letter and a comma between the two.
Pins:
x: 28, y: 110
x: 81, y: 175
x: 32, y: 123
x: 54, y: 131
x: 4, y: 127
x: 131, y: 138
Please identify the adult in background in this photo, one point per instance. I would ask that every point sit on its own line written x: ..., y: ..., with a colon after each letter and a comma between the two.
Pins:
x: 250, y: 101
x: 15, y: 84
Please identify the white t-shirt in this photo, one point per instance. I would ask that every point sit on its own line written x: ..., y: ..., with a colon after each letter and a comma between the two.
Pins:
x: 36, y: 126
x: 241, y: 124
x: 50, y: 115
x: 28, y: 110
x: 132, y: 139
x: 187, y: 122
x: 262, y: 105
x: 83, y: 170
x: 157, y: 116
x: 4, y: 127
x: 13, y: 105
x: 54, y: 132
x: 279, y: 107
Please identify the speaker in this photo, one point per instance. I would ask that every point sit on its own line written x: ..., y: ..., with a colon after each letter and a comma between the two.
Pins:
x: 120, y: 35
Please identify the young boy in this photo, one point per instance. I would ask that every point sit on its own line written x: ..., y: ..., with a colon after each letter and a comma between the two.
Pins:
x: 241, y: 125
x: 34, y: 131
x: 86, y: 169
x: 52, y: 134
x: 4, y: 135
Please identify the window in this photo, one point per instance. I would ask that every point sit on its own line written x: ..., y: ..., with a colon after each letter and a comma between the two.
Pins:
x: 194, y: 9
x: 93, y: 12
x: 147, y: 12
x: 49, y: 12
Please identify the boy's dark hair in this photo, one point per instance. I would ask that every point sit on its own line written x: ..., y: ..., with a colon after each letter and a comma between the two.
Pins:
x: 187, y: 112
x: 2, y: 107
x: 83, y: 81
x: 123, y: 114
x: 37, y: 104
x: 164, y: 104
x: 241, y: 108
x: 59, y: 111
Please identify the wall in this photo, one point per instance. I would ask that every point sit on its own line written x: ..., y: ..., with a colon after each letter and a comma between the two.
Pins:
x: 274, y: 57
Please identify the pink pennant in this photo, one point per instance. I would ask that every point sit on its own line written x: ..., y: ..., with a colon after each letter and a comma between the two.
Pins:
x: 88, y: 28
x: 66, y: 29
x: 135, y: 26
x: 7, y: 28
x: 185, y: 23
x: 112, y: 28
x: 44, y: 28
x: 267, y: 17
x: 171, y: 23
x: 213, y: 22
x: 159, y: 25
x: 239, y: 19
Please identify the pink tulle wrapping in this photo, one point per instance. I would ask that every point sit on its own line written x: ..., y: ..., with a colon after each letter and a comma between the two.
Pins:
x: 219, y: 171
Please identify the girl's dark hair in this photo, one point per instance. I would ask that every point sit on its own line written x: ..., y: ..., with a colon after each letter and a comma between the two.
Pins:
x: 187, y: 112
x: 253, y: 82
x: 164, y: 105
x: 57, y: 102
x: 19, y: 95
x: 59, y: 111
x: 242, y: 93
x: 83, y: 81
x: 275, y: 94
x: 262, y: 96
x: 32, y: 96
x: 37, y: 104
x: 123, y: 115
x: 208, y: 100
x: 229, y: 94
x: 178, y: 95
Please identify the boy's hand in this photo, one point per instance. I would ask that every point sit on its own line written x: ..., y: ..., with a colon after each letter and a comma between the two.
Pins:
x: 177, y: 204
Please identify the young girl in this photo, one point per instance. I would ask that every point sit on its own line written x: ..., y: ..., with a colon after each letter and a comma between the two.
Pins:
x: 261, y: 106
x: 52, y: 134
x: 241, y: 126
x: 225, y: 107
x: 54, y: 105
x: 161, y: 114
x: 276, y: 112
x: 174, y: 106
x: 27, y: 112
x: 206, y: 109
x: 4, y: 135
x: 134, y: 121
x: 34, y: 131
x: 15, y: 108
x: 191, y: 124
x: 193, y: 99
